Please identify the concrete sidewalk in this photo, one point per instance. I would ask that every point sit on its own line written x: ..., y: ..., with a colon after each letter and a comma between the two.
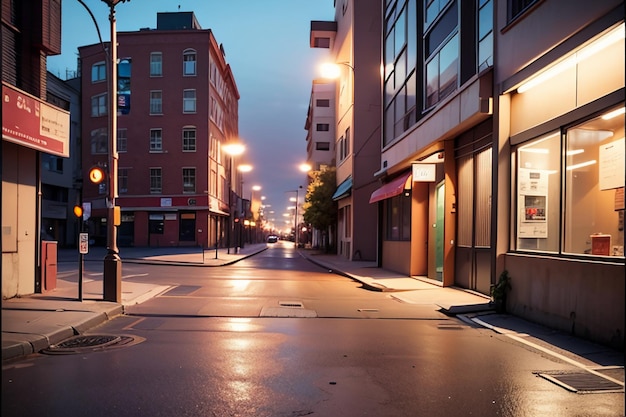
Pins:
x: 33, y: 323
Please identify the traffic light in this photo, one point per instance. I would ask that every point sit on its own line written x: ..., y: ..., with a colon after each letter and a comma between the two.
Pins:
x: 97, y: 174
x: 78, y: 211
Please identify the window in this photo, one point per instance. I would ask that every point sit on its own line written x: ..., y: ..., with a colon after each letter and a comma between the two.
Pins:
x: 51, y: 163
x: 189, y: 139
x: 517, y: 7
x: 441, y: 46
x: 99, y: 141
x: 343, y: 145
x: 485, y: 34
x: 400, y: 60
x: 189, y: 180
x: 156, y: 102
x: 156, y: 183
x: 156, y: 64
x: 322, y: 146
x: 122, y: 180
x: 189, y: 101
x: 322, y: 102
x: 189, y: 62
x: 98, y: 72
x: 398, y: 217
x: 99, y: 105
x: 156, y: 140
x: 122, y: 140
x: 322, y: 127
x: 569, y: 185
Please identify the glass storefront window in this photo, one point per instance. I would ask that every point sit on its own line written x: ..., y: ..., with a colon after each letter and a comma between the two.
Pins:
x: 594, y: 187
x: 570, y: 189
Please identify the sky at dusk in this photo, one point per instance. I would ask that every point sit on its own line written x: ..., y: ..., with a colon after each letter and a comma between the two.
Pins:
x: 267, y: 46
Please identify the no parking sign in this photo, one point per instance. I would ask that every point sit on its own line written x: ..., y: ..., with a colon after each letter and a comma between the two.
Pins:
x: 83, y: 240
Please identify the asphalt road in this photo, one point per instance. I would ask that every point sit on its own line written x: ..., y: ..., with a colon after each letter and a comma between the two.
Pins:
x: 276, y: 335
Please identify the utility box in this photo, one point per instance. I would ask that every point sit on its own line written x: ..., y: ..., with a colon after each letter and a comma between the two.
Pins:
x: 48, y: 265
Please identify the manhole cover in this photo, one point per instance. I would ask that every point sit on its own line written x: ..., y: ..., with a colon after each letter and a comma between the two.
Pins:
x: 81, y: 344
x: 582, y: 382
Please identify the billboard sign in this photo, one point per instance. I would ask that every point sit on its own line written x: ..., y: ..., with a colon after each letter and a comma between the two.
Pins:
x: 31, y: 122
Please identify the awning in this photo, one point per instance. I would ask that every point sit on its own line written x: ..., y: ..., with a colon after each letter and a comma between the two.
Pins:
x: 391, y: 189
x: 344, y: 189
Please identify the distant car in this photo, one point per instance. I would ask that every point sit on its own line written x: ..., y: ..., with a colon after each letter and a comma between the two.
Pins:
x: 272, y: 239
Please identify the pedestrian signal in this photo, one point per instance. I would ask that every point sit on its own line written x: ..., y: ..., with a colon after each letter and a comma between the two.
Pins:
x: 78, y: 211
x: 97, y: 174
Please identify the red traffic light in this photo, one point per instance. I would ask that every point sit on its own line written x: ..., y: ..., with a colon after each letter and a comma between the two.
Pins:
x: 97, y: 174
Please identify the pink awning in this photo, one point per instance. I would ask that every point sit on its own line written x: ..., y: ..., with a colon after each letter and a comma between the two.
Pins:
x: 391, y: 189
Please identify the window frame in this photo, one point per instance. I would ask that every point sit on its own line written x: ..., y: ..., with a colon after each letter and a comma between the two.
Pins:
x: 156, y: 66
x: 100, y: 69
x: 190, y: 102
x: 189, y: 143
x: 156, y: 180
x: 189, y: 180
x: 156, y: 102
x: 156, y: 140
x: 190, y: 56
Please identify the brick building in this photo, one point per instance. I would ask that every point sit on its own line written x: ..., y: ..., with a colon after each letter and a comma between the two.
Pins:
x: 178, y: 106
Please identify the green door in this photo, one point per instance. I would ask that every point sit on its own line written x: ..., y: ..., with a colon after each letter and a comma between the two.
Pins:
x: 439, y: 196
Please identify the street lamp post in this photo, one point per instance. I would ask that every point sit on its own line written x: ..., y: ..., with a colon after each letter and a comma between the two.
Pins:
x: 232, y: 149
x: 112, y: 276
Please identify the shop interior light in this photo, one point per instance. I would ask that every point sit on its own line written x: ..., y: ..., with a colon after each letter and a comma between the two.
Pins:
x: 614, y: 113
x: 586, y: 52
x: 581, y: 165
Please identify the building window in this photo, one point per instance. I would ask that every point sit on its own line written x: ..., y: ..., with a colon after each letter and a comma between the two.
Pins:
x: 189, y: 101
x: 485, y: 34
x: 517, y: 7
x: 322, y: 102
x: 52, y: 163
x: 156, y: 140
x: 343, y: 145
x: 189, y: 139
x: 156, y: 182
x: 322, y: 127
x: 156, y: 102
x: 98, y: 72
x: 122, y: 140
x: 99, y: 105
x: 441, y: 48
x: 400, y: 60
x: 189, y: 180
x: 156, y: 64
x: 398, y: 217
x: 569, y: 185
x: 122, y: 180
x: 189, y: 62
x: 322, y: 146
x: 99, y: 141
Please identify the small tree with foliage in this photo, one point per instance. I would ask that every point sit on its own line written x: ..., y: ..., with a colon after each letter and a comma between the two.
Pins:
x: 320, y: 210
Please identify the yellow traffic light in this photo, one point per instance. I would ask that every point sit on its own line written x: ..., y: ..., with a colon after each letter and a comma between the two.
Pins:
x: 78, y: 211
x: 97, y: 174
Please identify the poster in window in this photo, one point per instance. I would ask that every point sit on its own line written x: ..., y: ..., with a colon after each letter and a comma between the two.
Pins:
x: 533, y: 203
x: 612, y: 165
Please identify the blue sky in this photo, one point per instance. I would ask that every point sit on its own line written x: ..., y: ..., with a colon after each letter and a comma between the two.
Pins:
x: 267, y: 45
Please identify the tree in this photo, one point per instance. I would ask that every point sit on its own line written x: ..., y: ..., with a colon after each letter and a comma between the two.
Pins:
x: 320, y: 210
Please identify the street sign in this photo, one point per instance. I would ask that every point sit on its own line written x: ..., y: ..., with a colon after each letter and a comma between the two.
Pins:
x: 83, y: 240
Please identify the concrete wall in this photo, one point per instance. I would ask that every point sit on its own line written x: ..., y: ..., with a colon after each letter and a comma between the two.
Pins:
x: 583, y: 298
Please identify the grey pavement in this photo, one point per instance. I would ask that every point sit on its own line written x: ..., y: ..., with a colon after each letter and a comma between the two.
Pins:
x: 33, y: 323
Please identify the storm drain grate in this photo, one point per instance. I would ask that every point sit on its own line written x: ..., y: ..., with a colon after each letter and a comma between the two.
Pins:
x: 81, y: 344
x: 291, y: 304
x: 582, y: 382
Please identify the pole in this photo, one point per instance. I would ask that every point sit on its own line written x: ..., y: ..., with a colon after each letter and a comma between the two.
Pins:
x: 295, y: 221
x: 112, y: 277
x: 230, y: 204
